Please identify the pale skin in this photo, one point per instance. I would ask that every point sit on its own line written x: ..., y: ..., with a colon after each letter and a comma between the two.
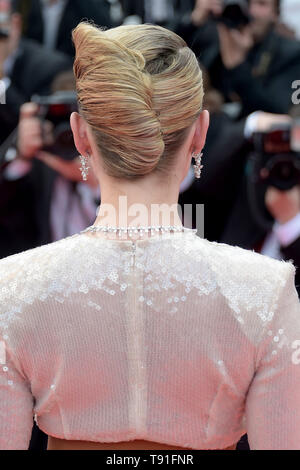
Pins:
x: 283, y: 205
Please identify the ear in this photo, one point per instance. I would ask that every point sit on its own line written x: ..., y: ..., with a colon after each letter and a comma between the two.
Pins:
x: 78, y: 126
x: 201, y: 129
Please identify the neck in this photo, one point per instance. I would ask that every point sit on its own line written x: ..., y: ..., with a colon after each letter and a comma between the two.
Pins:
x: 139, y: 203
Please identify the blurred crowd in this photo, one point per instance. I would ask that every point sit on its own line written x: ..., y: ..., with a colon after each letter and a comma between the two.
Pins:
x: 249, y: 52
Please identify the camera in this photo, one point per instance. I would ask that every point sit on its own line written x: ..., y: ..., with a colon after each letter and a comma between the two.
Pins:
x: 273, y: 161
x: 4, y: 33
x: 57, y: 109
x: 235, y: 14
x: 278, y: 156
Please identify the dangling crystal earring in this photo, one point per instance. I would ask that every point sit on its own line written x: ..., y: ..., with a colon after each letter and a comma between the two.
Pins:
x: 84, y: 166
x: 198, y: 167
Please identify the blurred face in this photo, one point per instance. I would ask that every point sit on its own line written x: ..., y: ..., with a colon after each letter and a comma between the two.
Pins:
x: 10, y: 28
x: 264, y: 14
x: 4, y: 18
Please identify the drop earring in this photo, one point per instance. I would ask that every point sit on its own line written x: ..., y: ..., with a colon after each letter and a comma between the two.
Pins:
x: 84, y: 166
x: 197, y: 167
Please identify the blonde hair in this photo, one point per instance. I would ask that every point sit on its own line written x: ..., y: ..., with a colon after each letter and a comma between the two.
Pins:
x: 140, y: 89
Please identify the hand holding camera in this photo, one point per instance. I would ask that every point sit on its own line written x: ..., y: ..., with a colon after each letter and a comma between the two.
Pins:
x: 33, y: 134
x: 234, y: 45
x: 36, y: 139
x: 233, y: 22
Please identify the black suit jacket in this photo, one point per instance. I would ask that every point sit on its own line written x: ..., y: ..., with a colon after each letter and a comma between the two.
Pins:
x: 75, y: 11
x: 25, y: 206
x: 33, y: 72
x: 264, y: 80
x: 24, y: 210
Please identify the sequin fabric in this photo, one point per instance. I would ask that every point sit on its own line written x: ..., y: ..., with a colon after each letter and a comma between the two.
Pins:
x: 173, y: 339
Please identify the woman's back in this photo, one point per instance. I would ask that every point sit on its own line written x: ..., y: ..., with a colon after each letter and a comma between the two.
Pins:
x: 172, y: 339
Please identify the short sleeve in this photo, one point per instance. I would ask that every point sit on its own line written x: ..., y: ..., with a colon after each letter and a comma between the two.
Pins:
x: 273, y: 400
x: 16, y: 403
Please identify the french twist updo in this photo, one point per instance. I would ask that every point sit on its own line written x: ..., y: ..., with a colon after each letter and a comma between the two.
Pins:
x: 140, y: 89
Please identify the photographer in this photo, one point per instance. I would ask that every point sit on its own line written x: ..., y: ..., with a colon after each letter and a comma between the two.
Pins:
x: 253, y: 64
x: 257, y: 64
x: 25, y: 67
x: 280, y: 206
x: 39, y: 189
x: 199, y: 30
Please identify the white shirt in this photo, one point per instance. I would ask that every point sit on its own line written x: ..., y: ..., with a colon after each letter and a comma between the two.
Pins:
x: 71, y: 211
x: 52, y: 14
x: 281, y: 235
x: 290, y: 15
x: 158, y: 10
x: 3, y: 87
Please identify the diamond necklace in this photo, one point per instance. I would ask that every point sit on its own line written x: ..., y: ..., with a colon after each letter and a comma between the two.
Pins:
x: 138, y: 230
